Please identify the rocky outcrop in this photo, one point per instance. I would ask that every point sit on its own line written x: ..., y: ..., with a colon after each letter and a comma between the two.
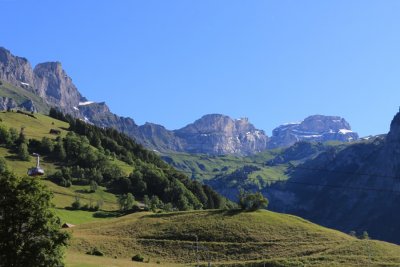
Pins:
x: 219, y: 134
x: 15, y: 70
x: 47, y: 80
x: 100, y: 115
x: 53, y: 84
x: 7, y: 103
x: 28, y: 105
x: 158, y: 138
x: 317, y: 128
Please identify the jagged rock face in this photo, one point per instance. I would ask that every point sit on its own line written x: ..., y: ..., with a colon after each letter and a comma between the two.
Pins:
x: 28, y: 105
x: 314, y: 128
x: 151, y: 135
x: 47, y: 80
x: 7, y: 103
x: 53, y: 84
x: 219, y: 134
x: 158, y: 138
x: 15, y: 70
x: 100, y: 115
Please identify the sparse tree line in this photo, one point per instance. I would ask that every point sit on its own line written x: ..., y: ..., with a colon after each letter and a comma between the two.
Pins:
x: 14, y: 140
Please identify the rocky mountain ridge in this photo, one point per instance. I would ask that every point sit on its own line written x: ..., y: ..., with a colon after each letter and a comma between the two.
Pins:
x: 47, y: 80
x: 214, y: 134
x: 317, y: 128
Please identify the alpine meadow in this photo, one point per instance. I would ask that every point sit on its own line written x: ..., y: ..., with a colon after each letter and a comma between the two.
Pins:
x: 199, y: 133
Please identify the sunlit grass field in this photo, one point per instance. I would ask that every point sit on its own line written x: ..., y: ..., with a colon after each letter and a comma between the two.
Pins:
x: 229, y: 238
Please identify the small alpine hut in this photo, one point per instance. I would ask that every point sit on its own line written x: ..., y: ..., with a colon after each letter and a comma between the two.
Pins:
x: 67, y: 225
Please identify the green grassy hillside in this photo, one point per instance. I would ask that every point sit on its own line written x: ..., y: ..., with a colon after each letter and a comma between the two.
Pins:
x: 229, y: 238
x: 205, y: 167
x: 21, y: 95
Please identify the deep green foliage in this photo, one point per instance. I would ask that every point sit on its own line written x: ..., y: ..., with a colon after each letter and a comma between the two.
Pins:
x: 138, y: 258
x: 29, y: 232
x: 3, y: 166
x: 76, y: 205
x: 93, y: 186
x: 91, y: 149
x: 23, y: 153
x: 252, y: 201
x: 126, y: 201
x: 95, y: 252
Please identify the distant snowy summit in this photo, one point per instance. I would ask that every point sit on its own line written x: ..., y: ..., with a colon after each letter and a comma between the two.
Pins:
x: 318, y: 128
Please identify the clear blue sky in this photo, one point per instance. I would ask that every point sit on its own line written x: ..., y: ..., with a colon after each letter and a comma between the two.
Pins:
x: 170, y: 62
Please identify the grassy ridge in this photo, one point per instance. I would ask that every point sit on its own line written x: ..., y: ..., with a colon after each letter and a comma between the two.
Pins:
x: 229, y: 237
x: 21, y: 95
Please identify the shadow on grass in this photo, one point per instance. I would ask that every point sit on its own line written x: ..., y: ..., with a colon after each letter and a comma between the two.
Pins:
x: 106, y: 214
x: 14, y: 158
x: 222, y: 212
x: 84, y: 191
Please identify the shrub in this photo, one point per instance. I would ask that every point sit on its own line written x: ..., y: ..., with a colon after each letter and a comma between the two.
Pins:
x: 252, y: 202
x: 95, y: 252
x: 138, y: 257
x: 364, y: 235
x: 76, y: 205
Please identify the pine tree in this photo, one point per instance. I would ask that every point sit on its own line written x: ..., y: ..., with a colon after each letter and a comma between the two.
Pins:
x: 23, y: 152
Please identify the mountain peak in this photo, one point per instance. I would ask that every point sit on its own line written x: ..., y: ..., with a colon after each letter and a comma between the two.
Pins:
x: 14, y: 69
x: 319, y: 128
x: 220, y: 134
x: 53, y: 84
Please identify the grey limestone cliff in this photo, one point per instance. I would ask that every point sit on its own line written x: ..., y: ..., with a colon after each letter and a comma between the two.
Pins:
x: 15, y: 70
x: 220, y: 134
x: 53, y: 84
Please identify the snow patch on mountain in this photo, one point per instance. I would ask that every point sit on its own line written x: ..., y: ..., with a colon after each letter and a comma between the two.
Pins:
x: 85, y: 103
x: 345, y: 131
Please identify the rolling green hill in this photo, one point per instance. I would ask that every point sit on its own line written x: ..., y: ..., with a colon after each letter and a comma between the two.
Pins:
x: 228, y: 238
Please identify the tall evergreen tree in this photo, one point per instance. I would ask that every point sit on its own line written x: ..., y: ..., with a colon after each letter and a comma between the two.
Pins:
x: 23, y: 152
